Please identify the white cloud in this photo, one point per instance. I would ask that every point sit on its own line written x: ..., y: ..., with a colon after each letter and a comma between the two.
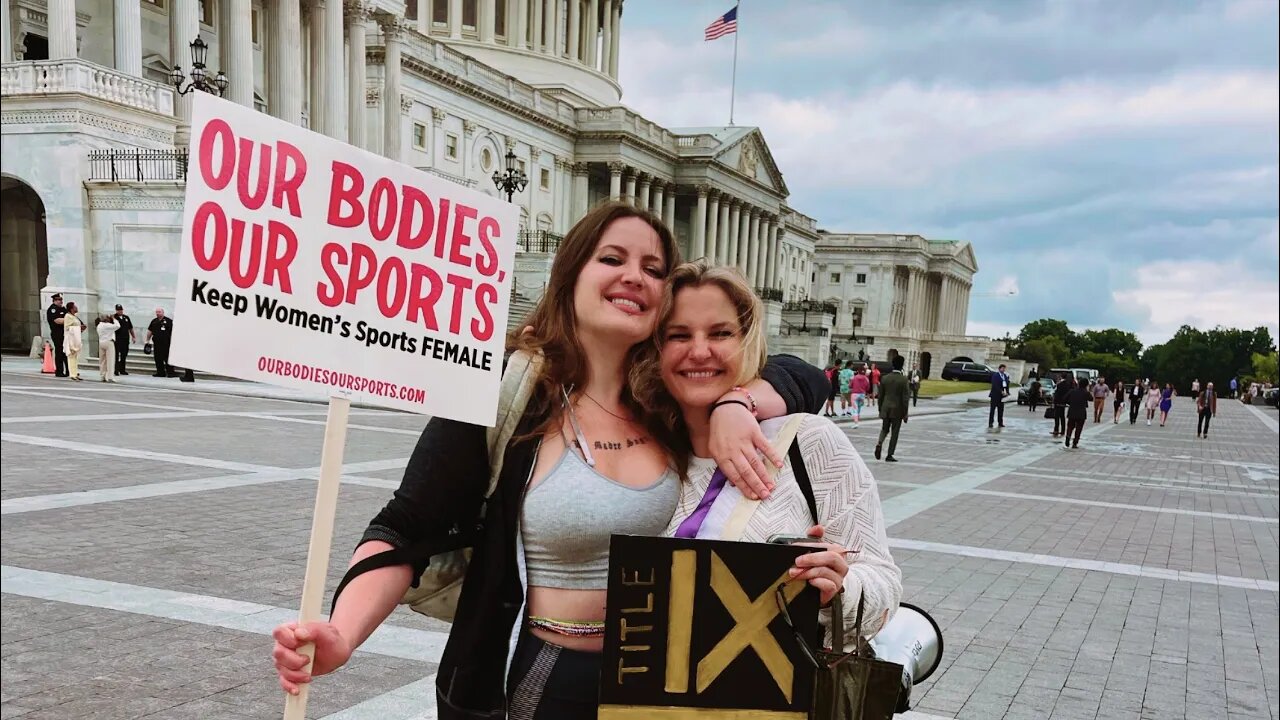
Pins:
x: 1202, y: 294
x: 1006, y: 286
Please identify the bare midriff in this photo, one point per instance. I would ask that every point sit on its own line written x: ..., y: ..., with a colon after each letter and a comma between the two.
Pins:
x: 562, y: 604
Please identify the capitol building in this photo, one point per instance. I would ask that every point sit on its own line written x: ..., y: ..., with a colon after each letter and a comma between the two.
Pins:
x: 94, y: 138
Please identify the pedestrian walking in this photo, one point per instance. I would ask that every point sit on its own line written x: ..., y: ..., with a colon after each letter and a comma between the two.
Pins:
x: 1033, y: 395
x: 1206, y: 409
x: 914, y: 379
x: 1235, y: 385
x: 1077, y: 413
x: 1153, y: 400
x: 894, y: 402
x: 860, y: 388
x: 1136, y: 394
x: 124, y: 336
x: 1166, y: 402
x: 1060, y: 391
x: 160, y: 335
x: 1195, y: 388
x: 527, y: 640
x: 1099, y: 391
x: 57, y: 334
x: 874, y: 395
x: 107, y: 328
x: 999, y: 391
x: 846, y: 379
x: 1118, y: 402
x: 73, y: 342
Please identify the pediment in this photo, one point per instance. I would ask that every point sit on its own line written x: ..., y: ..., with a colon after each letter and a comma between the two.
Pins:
x: 966, y: 257
x: 750, y: 156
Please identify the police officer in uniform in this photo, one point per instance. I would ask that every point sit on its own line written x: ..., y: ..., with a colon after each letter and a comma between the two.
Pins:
x: 54, y: 315
x: 160, y: 334
x: 124, y: 336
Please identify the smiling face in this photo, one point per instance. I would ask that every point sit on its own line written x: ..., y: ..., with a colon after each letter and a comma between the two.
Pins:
x: 616, y: 293
x: 705, y: 348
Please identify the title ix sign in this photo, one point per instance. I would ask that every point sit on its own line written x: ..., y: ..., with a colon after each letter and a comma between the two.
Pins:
x: 695, y: 629
x: 308, y: 263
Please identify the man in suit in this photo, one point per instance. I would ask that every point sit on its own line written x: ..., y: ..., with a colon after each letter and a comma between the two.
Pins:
x: 1077, y: 412
x: 1136, y: 393
x: 895, y: 398
x: 999, y: 391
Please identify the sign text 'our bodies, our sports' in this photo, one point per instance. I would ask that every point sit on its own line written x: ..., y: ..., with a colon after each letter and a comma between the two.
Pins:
x: 301, y: 248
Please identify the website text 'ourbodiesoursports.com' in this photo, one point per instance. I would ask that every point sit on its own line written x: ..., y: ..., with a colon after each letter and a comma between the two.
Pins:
x: 341, y: 380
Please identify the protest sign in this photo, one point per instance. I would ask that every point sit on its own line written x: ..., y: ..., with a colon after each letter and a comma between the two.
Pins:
x: 309, y: 263
x: 695, y: 628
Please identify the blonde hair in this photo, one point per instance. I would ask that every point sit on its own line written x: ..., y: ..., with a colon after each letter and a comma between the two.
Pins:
x: 662, y: 413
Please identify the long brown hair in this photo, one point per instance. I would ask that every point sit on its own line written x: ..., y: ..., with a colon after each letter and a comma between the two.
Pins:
x: 553, y: 325
x: 663, y: 415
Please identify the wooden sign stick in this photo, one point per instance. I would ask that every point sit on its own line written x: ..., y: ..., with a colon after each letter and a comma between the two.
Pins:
x: 335, y: 440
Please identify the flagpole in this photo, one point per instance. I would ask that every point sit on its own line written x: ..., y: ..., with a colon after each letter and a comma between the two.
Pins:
x: 733, y: 82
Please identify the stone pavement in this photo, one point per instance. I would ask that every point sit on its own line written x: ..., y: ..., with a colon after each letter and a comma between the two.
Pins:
x: 153, y: 533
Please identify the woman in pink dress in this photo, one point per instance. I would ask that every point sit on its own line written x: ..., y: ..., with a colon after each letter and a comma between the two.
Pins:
x: 1153, y: 401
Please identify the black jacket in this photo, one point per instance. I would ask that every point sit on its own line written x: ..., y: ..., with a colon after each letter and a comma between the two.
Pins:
x: 1060, y: 392
x: 1078, y: 401
x: 438, y: 508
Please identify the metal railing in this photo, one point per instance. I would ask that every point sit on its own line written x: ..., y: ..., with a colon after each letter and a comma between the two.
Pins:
x: 768, y: 293
x: 812, y: 306
x: 138, y: 165
x: 543, y: 241
x: 791, y: 329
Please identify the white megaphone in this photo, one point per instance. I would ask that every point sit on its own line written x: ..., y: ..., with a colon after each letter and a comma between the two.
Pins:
x: 913, y: 640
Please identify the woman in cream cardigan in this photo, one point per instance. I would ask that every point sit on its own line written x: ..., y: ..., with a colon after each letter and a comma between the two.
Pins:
x: 710, y: 343
x: 72, y: 342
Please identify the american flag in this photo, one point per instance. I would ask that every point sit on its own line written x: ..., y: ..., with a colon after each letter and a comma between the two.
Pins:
x: 724, y: 25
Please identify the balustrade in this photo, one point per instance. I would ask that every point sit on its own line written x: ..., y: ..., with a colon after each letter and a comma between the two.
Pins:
x: 76, y: 76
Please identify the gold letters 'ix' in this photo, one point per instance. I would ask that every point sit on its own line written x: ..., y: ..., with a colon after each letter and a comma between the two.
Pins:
x: 751, y: 625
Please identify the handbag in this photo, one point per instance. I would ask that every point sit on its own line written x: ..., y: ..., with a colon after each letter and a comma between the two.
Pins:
x: 146, y: 349
x: 1048, y: 412
x: 849, y: 686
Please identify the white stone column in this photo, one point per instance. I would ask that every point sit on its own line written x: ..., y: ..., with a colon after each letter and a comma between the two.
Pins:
x: 128, y: 30
x: 722, y: 232
x: 630, y: 195
x: 731, y: 247
x: 488, y: 19
x: 315, y: 64
x: 606, y: 45
x: 964, y: 310
x: 6, y: 42
x: 669, y: 216
x: 62, y: 34
x: 615, y: 180
x: 536, y: 41
x: 573, y: 29
x: 698, y: 246
x: 744, y: 238
x: 235, y: 50
x: 614, y: 46
x: 642, y: 192
x: 713, y: 226
x: 593, y: 33
x: 333, y: 61
x: 284, y: 60
x: 522, y: 24
x: 437, y: 137
x: 556, y: 21
x: 392, y: 33
x: 753, y: 249
x: 184, y: 27
x: 656, y: 205
x: 771, y: 250
x: 357, y: 26
x: 580, y: 191
x: 424, y: 14
x: 455, y: 18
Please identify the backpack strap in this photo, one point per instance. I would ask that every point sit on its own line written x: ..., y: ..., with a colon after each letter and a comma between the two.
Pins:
x: 801, y: 474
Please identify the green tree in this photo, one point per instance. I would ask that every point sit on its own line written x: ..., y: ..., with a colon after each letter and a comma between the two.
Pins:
x: 1265, y: 367
x: 1045, y: 327
x: 1046, y: 352
x: 1111, y: 366
x: 1111, y: 341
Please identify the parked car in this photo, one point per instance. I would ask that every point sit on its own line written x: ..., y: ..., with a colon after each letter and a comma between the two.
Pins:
x: 969, y: 371
x: 1046, y: 392
x: 1271, y: 397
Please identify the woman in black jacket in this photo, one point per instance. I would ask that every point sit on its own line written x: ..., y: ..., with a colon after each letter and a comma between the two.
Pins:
x: 518, y: 643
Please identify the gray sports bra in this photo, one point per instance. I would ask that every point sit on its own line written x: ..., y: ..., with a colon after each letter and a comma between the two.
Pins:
x: 569, y: 516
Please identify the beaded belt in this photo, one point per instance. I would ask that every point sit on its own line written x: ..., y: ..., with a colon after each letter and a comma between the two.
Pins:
x: 571, y: 628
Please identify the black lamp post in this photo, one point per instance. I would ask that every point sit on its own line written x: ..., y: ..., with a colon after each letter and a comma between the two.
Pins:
x: 805, y: 306
x: 513, y: 180
x: 199, y: 78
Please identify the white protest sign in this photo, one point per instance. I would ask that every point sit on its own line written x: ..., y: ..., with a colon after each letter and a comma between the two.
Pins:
x: 308, y: 263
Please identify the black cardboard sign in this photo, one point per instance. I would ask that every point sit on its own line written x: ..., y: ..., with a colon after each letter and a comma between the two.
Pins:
x: 693, y: 629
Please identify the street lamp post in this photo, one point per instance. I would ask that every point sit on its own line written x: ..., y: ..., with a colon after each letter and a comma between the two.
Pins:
x: 513, y: 180
x: 199, y: 78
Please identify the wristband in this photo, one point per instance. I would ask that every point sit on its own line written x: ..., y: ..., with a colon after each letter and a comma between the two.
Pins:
x: 750, y: 398
x: 728, y: 402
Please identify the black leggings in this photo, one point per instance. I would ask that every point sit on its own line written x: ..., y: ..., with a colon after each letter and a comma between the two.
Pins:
x: 549, y: 682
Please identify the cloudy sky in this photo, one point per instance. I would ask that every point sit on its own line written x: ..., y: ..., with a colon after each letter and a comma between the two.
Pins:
x: 1116, y: 162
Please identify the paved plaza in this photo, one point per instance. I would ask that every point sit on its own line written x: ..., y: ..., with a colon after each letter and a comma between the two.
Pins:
x: 153, y: 533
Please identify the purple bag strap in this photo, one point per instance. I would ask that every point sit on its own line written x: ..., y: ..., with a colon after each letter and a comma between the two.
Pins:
x: 692, y: 524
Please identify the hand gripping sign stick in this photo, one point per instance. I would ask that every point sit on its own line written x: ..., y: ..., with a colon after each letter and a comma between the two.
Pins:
x: 335, y: 440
